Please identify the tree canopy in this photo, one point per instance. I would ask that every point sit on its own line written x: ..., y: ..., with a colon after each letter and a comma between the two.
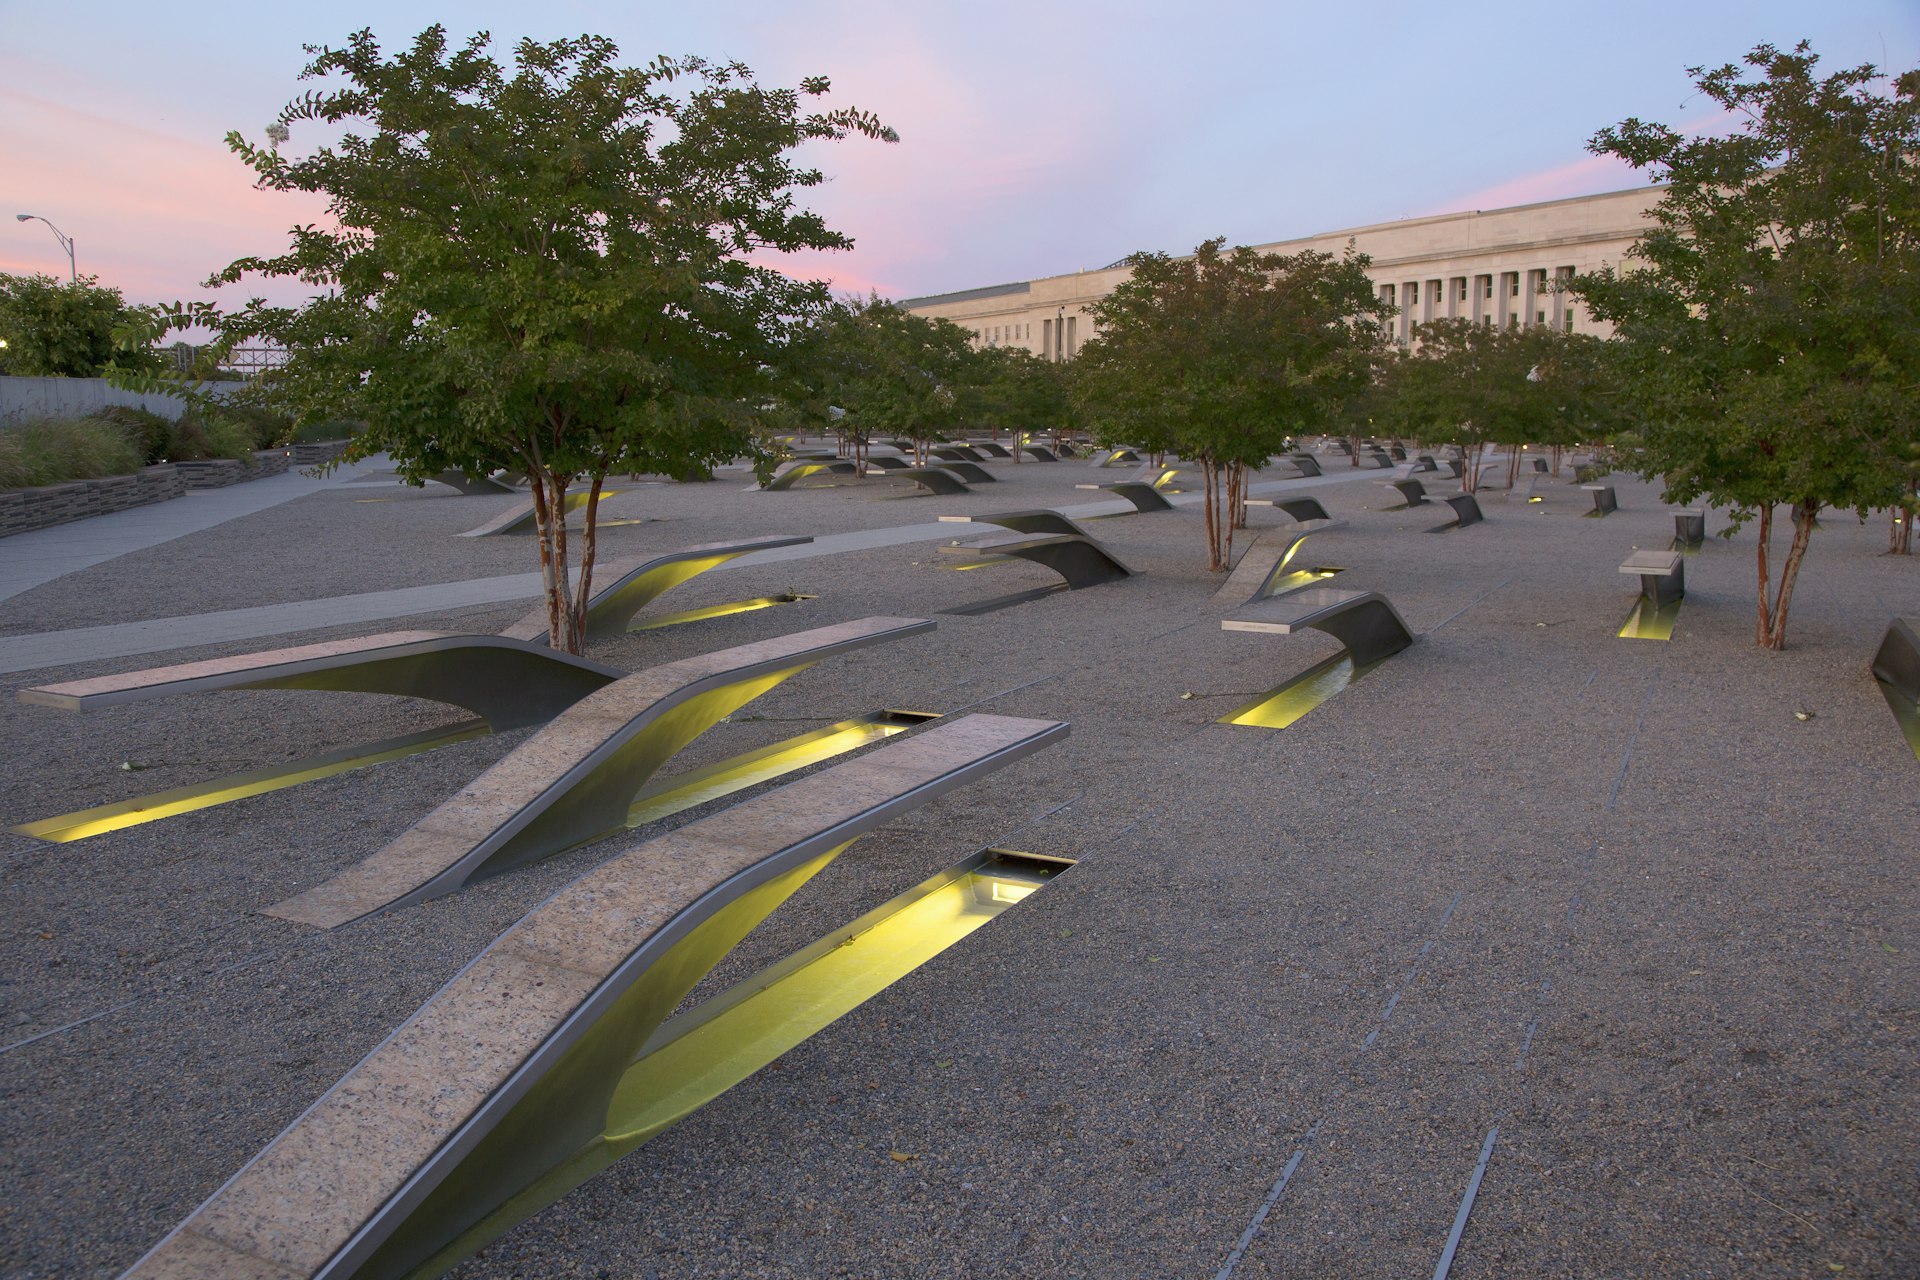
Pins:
x: 1768, y: 322
x: 560, y: 267
x: 890, y: 372
x: 1466, y: 383
x: 1223, y: 354
x: 56, y: 328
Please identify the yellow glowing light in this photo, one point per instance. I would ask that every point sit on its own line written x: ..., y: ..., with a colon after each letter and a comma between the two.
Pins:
x: 701, y: 1054
x: 1010, y: 892
x: 1536, y: 499
x: 205, y: 795
x: 1650, y: 622
x: 668, y: 796
x: 1280, y: 707
x: 987, y: 563
x: 717, y: 611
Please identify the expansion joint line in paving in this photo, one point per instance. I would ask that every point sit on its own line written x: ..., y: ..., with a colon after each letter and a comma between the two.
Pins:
x: 1545, y: 987
x: 1252, y: 1231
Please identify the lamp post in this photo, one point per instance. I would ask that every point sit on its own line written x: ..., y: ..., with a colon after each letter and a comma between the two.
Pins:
x: 66, y: 242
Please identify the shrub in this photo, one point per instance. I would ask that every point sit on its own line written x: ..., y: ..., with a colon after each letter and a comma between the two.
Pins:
x: 55, y: 450
x: 323, y: 432
x: 149, y: 432
x: 195, y: 438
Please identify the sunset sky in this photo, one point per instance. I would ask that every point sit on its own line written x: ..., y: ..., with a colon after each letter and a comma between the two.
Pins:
x: 1036, y: 138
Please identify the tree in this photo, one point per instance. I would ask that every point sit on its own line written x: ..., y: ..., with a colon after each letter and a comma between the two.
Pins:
x: 54, y: 328
x: 1473, y: 384
x: 1021, y: 393
x: 549, y: 268
x: 1221, y: 355
x: 890, y: 372
x: 1769, y: 329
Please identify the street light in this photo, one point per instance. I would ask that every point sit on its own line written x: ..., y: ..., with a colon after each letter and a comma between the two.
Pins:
x: 66, y: 242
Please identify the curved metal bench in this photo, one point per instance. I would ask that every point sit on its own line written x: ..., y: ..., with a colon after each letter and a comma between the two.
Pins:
x: 1260, y: 570
x: 613, y: 606
x: 519, y: 519
x: 1897, y: 662
x: 1306, y: 464
x: 1363, y: 621
x: 574, y: 780
x: 1466, y: 511
x: 1078, y: 559
x: 1412, y: 490
x: 530, y: 1070
x: 1039, y: 452
x: 971, y: 472
x: 1604, y: 502
x: 932, y: 479
x: 1118, y: 457
x: 991, y: 449
x: 887, y: 462
x: 956, y: 453
x: 1033, y: 520
x: 1690, y: 527
x: 1300, y: 509
x: 1144, y: 497
x: 510, y: 683
x: 797, y: 471
x: 474, y: 486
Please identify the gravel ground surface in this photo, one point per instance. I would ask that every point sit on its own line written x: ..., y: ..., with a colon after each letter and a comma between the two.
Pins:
x: 1612, y: 897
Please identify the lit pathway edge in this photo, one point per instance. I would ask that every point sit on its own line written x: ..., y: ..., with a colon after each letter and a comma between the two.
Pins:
x: 156, y: 635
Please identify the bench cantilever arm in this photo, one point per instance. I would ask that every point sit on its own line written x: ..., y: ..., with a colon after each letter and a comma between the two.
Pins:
x: 509, y: 682
x: 574, y: 779
x: 1078, y: 559
x: 1364, y: 621
x: 511, y: 1085
x: 613, y: 606
x: 1897, y: 662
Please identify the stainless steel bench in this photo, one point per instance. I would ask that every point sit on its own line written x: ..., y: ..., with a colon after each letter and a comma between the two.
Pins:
x: 1365, y: 622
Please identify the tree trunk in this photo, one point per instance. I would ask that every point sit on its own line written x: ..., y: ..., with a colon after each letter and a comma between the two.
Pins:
x: 550, y: 519
x: 1900, y: 522
x: 1513, y: 467
x: 1353, y: 453
x: 1237, y: 495
x: 1557, y: 451
x: 1805, y: 515
x: 589, y: 544
x: 1219, y: 530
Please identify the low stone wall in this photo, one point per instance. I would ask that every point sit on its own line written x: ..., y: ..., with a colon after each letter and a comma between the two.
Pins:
x: 312, y: 455
x: 218, y: 473
x: 25, y: 509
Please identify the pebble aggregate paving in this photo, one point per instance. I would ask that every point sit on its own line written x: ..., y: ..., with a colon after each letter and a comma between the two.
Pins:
x: 1646, y: 908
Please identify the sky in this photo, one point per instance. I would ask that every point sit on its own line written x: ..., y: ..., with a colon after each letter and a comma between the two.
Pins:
x: 1037, y: 137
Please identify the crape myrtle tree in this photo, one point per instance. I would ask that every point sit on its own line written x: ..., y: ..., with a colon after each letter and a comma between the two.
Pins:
x: 1221, y: 355
x: 1018, y: 392
x: 1768, y: 319
x: 555, y: 267
x: 889, y: 372
x: 1472, y: 384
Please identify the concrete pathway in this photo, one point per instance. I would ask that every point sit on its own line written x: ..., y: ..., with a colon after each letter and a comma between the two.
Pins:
x: 29, y: 560
x: 129, y: 639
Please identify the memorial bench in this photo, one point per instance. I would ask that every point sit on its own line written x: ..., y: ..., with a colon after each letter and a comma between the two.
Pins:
x: 1039, y: 452
x: 1078, y: 559
x: 575, y: 778
x: 1144, y: 497
x: 474, y: 486
x: 932, y: 479
x: 971, y: 472
x: 990, y: 448
x: 1300, y: 509
x: 1034, y: 520
x: 550, y: 1055
x: 1364, y: 622
x: 887, y: 462
x: 1603, y: 499
x: 1662, y: 574
x: 1306, y: 464
x: 520, y: 517
x: 1897, y: 662
x: 1690, y: 527
x: 956, y: 453
x: 1466, y: 511
x: 1266, y: 563
x: 1118, y: 457
x: 1412, y: 490
x: 797, y: 471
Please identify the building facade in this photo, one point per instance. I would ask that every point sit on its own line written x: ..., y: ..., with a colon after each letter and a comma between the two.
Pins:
x: 1496, y: 266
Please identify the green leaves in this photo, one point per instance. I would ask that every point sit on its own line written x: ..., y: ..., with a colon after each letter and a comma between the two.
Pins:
x: 54, y: 328
x: 1767, y: 330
